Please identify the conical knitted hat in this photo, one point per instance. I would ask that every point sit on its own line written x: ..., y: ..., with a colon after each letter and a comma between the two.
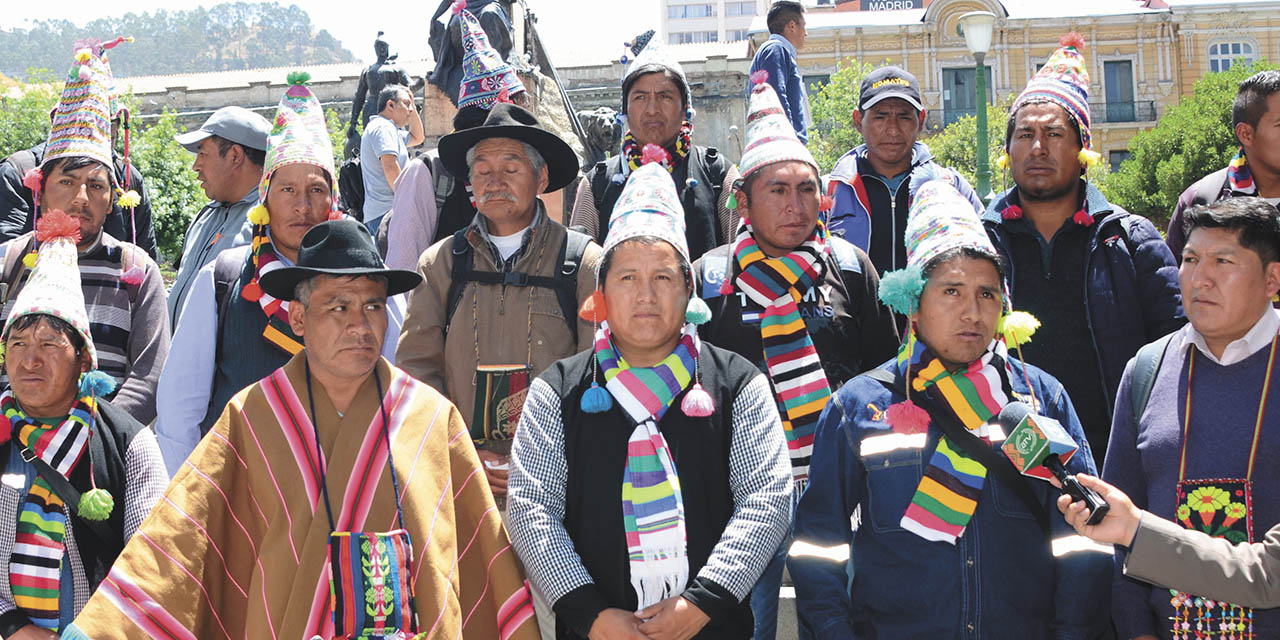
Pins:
x: 82, y: 119
x: 54, y: 285
x: 940, y: 219
x: 1064, y: 81
x: 485, y: 75
x: 649, y: 206
x: 299, y: 135
x: 770, y: 136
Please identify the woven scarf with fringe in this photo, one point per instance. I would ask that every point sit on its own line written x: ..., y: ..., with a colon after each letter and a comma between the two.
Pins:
x: 1239, y: 177
x: 947, y: 496
x: 35, y: 568
x: 799, y: 382
x: 265, y: 260
x: 652, y: 504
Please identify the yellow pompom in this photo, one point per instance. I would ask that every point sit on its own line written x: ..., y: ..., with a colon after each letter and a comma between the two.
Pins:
x: 1017, y: 327
x: 29, y: 260
x: 259, y: 215
x: 130, y: 199
x: 82, y: 56
x: 1089, y: 158
x: 1003, y: 162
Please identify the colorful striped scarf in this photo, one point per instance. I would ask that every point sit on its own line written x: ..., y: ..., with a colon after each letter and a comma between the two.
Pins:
x: 1239, y: 177
x: 652, y: 504
x: 35, y: 567
x: 265, y: 260
x: 799, y: 382
x: 947, y: 496
x: 632, y: 151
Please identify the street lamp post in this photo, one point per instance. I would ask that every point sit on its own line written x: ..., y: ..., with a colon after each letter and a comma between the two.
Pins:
x: 977, y: 28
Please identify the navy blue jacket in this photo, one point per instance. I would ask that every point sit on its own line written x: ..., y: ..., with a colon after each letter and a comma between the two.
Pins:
x: 1002, y: 578
x: 778, y: 56
x: 1132, y: 295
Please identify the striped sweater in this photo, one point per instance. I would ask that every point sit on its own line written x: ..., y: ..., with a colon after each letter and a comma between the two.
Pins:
x: 129, y: 322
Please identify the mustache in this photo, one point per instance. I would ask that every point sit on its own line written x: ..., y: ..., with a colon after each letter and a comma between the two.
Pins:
x: 496, y: 195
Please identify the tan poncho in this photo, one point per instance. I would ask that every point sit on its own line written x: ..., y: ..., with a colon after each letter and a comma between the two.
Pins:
x: 237, y: 546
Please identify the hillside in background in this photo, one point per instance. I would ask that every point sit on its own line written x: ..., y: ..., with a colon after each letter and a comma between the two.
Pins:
x: 233, y: 35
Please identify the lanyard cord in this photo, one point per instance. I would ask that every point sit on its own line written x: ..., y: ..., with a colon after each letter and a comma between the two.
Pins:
x: 386, y: 434
x: 1257, y: 426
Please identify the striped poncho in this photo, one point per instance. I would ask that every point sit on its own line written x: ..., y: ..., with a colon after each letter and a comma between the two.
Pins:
x: 237, y: 546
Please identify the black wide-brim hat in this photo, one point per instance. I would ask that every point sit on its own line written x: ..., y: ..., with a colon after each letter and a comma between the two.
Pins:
x: 336, y: 248
x: 510, y: 121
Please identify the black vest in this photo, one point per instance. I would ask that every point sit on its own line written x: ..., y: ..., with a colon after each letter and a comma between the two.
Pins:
x: 595, y: 447
x: 698, y: 181
x: 830, y: 312
x: 242, y: 357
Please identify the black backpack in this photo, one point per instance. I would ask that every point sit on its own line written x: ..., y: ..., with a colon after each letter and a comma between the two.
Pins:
x: 351, y: 188
x: 564, y: 283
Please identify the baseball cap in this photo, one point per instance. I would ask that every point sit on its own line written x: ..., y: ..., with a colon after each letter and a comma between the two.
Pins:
x: 889, y: 82
x: 236, y: 124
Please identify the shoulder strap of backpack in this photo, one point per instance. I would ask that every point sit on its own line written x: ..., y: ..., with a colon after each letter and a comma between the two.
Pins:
x: 1146, y: 365
x: 1209, y: 189
x: 600, y: 183
x: 974, y: 447
x: 441, y: 179
x: 462, y: 260
x: 575, y: 245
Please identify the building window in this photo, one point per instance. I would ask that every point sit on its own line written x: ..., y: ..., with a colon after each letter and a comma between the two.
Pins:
x: 1223, y: 54
x: 1119, y: 90
x: 734, y: 35
x: 1116, y: 158
x: 740, y: 8
x: 681, y: 11
x: 687, y: 37
x: 958, y: 93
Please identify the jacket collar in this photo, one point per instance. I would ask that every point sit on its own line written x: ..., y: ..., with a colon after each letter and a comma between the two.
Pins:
x: 854, y: 162
x: 1095, y: 204
x: 786, y: 44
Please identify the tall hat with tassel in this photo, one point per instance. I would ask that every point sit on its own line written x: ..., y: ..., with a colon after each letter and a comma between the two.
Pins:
x: 1064, y: 81
x: 485, y: 75
x: 53, y: 289
x: 81, y: 121
x: 298, y: 135
x: 770, y: 136
x: 939, y: 221
x: 649, y: 206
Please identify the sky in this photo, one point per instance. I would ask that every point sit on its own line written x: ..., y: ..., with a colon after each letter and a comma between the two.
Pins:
x: 569, y: 28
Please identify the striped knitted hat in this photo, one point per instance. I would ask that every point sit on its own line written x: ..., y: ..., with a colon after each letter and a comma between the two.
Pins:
x: 299, y: 136
x: 770, y: 136
x: 54, y: 285
x: 82, y: 119
x: 1064, y: 81
x: 485, y: 75
x: 649, y: 206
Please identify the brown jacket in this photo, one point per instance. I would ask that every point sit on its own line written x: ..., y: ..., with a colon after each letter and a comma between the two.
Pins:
x: 504, y: 328
x: 1165, y: 554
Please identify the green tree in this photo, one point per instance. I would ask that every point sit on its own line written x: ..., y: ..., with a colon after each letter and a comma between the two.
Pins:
x: 176, y: 194
x: 24, y: 112
x: 1193, y: 139
x: 955, y: 146
x: 833, y: 134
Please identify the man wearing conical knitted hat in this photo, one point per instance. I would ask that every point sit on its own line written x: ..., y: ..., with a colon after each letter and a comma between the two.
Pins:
x: 121, y: 285
x: 1105, y: 275
x: 241, y: 333
x: 914, y: 446
x: 666, y: 521
x: 789, y: 297
x: 87, y: 473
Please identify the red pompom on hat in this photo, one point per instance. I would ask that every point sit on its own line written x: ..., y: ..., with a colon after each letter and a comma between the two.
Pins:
x: 458, y: 6
x: 759, y: 77
x: 1071, y: 39
x: 57, y: 224
x: 654, y: 153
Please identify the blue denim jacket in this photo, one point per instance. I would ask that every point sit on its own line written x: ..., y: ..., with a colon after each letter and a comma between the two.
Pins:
x: 1000, y: 580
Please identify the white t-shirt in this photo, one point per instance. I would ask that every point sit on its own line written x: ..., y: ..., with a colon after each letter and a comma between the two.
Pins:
x: 508, y: 245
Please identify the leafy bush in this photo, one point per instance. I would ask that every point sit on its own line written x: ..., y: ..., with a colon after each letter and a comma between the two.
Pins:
x: 832, y: 133
x: 1194, y: 138
x: 24, y: 111
x: 176, y: 195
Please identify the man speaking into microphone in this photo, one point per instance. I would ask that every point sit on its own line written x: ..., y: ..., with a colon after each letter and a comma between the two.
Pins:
x: 951, y: 539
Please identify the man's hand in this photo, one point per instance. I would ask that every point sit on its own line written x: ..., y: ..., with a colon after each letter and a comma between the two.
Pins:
x: 616, y: 624
x: 497, y: 477
x: 32, y: 632
x: 672, y: 619
x: 1121, y: 522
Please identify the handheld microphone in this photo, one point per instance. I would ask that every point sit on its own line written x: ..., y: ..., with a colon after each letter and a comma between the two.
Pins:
x: 1038, y: 446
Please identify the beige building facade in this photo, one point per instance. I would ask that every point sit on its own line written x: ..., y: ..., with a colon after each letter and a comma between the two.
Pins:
x: 1143, y: 55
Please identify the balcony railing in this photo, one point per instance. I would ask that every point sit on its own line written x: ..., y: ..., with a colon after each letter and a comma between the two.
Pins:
x: 1138, y: 111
